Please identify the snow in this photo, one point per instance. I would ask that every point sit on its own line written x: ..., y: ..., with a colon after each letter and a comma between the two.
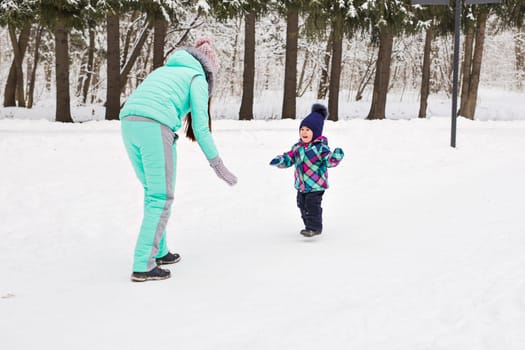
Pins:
x: 422, y: 247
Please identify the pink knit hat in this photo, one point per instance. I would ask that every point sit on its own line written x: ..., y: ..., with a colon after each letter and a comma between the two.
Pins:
x: 203, y: 44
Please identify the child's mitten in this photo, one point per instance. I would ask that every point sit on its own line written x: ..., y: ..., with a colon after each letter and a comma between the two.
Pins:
x: 338, y: 153
x: 222, y: 172
x: 276, y: 161
x: 336, y: 157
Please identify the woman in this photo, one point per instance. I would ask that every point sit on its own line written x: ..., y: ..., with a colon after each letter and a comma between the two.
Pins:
x: 181, y: 89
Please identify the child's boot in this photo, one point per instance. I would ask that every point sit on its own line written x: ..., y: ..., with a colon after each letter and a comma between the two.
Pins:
x: 310, y: 233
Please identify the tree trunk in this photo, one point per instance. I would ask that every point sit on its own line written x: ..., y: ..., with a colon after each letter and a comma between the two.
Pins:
x: 113, y: 67
x: 141, y: 66
x: 89, y: 65
x: 10, y: 87
x: 31, y: 92
x: 301, y: 76
x: 81, y: 75
x: 129, y: 34
x: 477, y: 59
x: 248, y: 82
x: 367, y: 75
x: 159, y: 40
x: 233, y: 81
x: 63, y: 108
x: 466, y: 69
x: 308, y: 82
x: 18, y: 59
x: 95, y: 83
x: 425, y: 78
x: 133, y: 56
x: 384, y: 58
x: 335, y: 72
x: 519, y: 49
x: 14, y: 88
x: 323, y: 81
x: 290, y: 66
x: 48, y: 74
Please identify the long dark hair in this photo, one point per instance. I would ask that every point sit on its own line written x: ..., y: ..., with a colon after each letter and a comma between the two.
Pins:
x: 189, y: 128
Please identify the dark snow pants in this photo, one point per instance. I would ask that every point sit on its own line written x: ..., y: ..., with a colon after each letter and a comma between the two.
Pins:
x: 311, y: 212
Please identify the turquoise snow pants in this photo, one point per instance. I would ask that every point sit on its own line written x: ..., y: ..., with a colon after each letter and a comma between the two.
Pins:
x: 151, y: 147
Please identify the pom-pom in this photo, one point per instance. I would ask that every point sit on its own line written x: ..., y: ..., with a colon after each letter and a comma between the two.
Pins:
x: 321, y: 109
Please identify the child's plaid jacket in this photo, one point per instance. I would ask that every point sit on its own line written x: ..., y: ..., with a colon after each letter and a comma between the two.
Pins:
x: 311, y: 162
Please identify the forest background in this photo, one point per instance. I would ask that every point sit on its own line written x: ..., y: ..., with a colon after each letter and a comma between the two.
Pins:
x: 423, y: 244
x: 94, y: 53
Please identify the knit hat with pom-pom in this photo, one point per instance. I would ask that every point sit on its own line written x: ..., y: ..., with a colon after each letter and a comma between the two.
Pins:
x: 204, y: 45
x: 315, y: 120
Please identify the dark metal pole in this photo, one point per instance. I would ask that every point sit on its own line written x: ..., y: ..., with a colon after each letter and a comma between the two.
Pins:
x: 457, y: 32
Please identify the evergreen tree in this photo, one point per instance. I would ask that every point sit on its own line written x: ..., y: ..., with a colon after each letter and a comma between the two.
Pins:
x: 17, y: 15
x: 343, y: 17
x: 111, y: 11
x: 291, y: 9
x: 160, y: 15
x: 249, y: 9
x: 475, y: 22
x: 386, y: 19
x: 61, y: 16
x: 434, y: 21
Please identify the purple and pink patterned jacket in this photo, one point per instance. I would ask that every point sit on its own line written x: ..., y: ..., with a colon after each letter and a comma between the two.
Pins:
x: 311, y: 162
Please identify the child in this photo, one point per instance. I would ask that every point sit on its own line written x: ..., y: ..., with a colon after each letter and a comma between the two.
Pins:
x: 311, y: 157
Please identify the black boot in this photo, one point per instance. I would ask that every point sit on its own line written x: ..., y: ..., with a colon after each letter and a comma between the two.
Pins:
x: 167, y: 259
x: 310, y: 233
x: 153, y: 275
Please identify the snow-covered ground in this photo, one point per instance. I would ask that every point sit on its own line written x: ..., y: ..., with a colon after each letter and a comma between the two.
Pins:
x: 423, y: 246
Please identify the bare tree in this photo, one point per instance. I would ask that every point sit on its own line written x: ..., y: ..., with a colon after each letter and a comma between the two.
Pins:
x: 322, y: 90
x: 36, y: 58
x: 135, y: 52
x: 14, y: 88
x: 86, y: 77
x: 519, y: 49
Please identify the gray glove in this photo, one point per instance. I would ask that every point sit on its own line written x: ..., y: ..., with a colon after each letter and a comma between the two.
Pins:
x: 221, y: 171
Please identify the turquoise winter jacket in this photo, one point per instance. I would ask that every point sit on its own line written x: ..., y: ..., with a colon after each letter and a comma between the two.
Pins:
x: 170, y: 92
